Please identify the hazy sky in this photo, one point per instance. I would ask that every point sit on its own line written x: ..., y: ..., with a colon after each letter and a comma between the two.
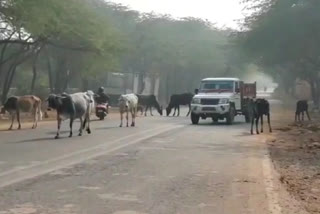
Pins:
x: 222, y: 12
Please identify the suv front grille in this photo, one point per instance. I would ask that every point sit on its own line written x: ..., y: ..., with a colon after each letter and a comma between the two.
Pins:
x: 209, y: 101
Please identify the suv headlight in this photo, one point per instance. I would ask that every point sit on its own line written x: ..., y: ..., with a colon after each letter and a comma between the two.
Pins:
x: 224, y: 101
x: 196, y: 101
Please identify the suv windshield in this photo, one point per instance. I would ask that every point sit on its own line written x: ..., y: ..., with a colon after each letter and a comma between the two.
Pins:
x: 221, y: 86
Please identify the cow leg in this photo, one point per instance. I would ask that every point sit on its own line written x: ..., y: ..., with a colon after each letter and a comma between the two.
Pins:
x: 145, y: 111
x: 18, y: 119
x: 133, y: 117
x: 270, y: 129
x: 34, y: 114
x: 189, y: 110
x: 174, y: 113
x: 257, y: 125
x: 252, y: 123
x: 307, y: 112
x: 121, y: 119
x: 151, y: 110
x: 127, y: 117
x: 59, y: 125
x: 178, y: 110
x: 13, y: 115
x: 299, y: 117
x: 302, y: 115
x: 262, y: 123
x: 81, y: 126
x: 88, y: 126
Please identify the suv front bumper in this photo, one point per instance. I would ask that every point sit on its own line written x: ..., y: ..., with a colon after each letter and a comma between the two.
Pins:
x: 210, y: 109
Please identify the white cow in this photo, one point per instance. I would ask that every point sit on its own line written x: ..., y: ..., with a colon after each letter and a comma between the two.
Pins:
x: 92, y: 104
x: 128, y: 102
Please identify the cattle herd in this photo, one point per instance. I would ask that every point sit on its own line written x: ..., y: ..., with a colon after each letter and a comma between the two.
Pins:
x: 81, y: 105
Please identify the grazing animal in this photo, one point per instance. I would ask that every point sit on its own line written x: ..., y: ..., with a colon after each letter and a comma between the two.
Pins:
x: 149, y: 101
x: 128, y: 103
x: 179, y: 99
x: 71, y: 107
x: 302, y: 106
x: 258, y: 108
x: 28, y: 103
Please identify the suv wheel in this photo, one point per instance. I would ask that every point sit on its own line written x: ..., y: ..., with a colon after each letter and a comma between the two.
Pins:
x: 231, y: 115
x: 195, y: 118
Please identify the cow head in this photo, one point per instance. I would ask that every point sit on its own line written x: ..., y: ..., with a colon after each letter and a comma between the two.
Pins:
x: 168, y: 110
x: 3, y: 110
x: 160, y: 110
x: 123, y: 102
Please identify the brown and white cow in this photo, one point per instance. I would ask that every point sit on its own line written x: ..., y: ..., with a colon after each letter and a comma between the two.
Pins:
x: 17, y: 104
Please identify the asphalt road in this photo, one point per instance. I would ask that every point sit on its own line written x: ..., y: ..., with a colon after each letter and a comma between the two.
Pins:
x: 162, y: 166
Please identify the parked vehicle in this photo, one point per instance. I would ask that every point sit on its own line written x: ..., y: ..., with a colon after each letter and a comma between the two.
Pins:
x: 222, y: 98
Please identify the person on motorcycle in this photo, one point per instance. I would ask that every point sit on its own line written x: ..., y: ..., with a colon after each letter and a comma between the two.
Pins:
x: 101, y: 97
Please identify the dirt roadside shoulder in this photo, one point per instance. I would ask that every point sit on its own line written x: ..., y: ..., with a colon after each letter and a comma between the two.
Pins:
x: 295, y: 152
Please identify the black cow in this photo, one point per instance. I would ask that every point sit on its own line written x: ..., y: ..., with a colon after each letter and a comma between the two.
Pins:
x: 179, y: 99
x: 258, y: 108
x: 302, y: 106
x: 149, y: 101
x: 71, y: 107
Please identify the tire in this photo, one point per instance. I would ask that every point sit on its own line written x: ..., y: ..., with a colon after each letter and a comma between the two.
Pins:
x: 195, y: 118
x: 231, y: 115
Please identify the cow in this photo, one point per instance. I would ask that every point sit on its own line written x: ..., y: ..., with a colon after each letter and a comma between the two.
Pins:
x: 149, y: 101
x: 179, y: 99
x: 128, y: 103
x: 92, y: 103
x: 28, y: 103
x: 71, y: 106
x: 302, y: 106
x: 257, y: 109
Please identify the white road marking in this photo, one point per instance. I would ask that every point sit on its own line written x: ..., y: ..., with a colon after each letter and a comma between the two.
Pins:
x: 17, y: 175
x: 272, y: 195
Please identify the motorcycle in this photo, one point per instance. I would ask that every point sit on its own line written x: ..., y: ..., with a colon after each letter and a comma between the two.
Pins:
x: 102, y: 110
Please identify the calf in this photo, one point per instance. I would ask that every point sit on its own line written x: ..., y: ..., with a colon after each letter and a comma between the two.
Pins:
x: 179, y: 99
x: 28, y: 103
x: 128, y: 103
x: 302, y: 106
x: 71, y: 107
x: 149, y: 101
x: 257, y: 109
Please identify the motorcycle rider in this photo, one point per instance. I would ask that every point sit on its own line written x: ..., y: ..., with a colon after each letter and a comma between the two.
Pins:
x: 101, y: 97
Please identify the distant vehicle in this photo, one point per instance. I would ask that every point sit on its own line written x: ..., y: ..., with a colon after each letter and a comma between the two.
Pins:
x: 222, y: 98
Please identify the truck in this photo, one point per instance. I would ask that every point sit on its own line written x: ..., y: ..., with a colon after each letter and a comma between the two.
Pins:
x: 222, y: 99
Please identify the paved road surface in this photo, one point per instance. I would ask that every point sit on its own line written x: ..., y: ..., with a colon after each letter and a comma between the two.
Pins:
x: 163, y: 166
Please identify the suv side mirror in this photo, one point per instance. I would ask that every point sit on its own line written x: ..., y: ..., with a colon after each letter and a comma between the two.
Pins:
x: 196, y: 91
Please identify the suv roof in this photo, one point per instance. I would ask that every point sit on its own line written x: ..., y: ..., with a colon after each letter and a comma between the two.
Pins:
x: 221, y: 78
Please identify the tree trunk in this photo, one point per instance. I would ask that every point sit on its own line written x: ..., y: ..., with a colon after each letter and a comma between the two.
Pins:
x: 8, y: 81
x: 34, y: 73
